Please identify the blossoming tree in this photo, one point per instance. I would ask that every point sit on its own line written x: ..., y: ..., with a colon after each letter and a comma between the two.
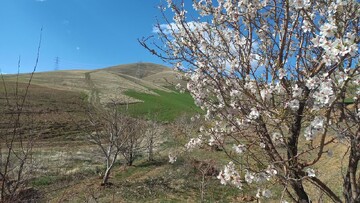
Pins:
x: 273, y: 78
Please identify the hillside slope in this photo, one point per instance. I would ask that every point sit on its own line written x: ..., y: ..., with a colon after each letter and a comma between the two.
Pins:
x: 138, y: 70
x: 108, y: 84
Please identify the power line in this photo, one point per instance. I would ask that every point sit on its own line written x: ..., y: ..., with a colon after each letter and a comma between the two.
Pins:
x: 57, y: 61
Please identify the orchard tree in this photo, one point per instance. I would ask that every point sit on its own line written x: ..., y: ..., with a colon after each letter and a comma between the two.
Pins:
x: 134, y: 145
x: 111, y: 130
x: 153, y: 134
x: 273, y: 78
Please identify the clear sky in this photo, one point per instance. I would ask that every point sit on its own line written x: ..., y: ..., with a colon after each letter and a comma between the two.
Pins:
x: 84, y: 34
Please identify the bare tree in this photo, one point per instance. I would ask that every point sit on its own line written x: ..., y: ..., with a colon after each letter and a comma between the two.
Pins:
x: 187, y: 125
x: 134, y: 145
x: 111, y: 132
x: 17, y: 140
x: 206, y: 170
x: 153, y: 134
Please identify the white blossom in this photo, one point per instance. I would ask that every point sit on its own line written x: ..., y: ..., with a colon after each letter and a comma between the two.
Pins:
x: 266, y: 94
x: 263, y: 193
x: 282, y: 74
x: 262, y: 177
x: 324, y: 95
x: 277, y: 137
x: 310, y: 172
x: 254, y: 114
x: 279, y: 88
x: 312, y: 83
x: 239, y: 148
x: 314, y: 128
x: 258, y: 194
x: 249, y: 177
x: 212, y: 141
x: 294, y: 104
x: 328, y: 30
x: 266, y: 193
x: 297, y: 91
x: 194, y: 143
x: 271, y: 170
x: 306, y: 26
x: 251, y: 86
x: 230, y: 175
x: 318, y: 123
x: 299, y: 4
x: 172, y: 158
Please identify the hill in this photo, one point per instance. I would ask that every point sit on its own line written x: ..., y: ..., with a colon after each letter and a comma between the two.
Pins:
x: 138, y: 70
x: 108, y: 84
x: 55, y: 113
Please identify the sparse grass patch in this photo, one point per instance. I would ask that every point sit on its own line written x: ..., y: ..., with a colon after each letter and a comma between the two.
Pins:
x: 134, y: 170
x: 44, y: 181
x: 348, y: 101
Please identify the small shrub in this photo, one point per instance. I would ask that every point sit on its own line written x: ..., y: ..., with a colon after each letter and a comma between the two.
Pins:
x: 44, y: 181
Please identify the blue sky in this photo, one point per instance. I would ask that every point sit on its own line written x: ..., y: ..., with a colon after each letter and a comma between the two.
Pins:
x: 84, y: 34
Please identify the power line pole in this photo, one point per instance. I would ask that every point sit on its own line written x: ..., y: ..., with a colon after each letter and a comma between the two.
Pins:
x: 57, y: 61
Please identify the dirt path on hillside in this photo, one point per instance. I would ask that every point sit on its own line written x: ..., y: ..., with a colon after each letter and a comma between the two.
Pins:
x: 94, y: 93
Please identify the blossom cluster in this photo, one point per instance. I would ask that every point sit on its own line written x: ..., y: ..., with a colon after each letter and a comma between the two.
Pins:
x: 231, y: 176
x: 314, y: 128
x: 194, y: 143
x: 263, y: 74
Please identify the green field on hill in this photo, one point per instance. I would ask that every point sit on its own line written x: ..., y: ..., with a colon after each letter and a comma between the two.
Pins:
x: 165, y: 106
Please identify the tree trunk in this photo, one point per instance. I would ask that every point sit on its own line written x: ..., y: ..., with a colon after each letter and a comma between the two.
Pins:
x: 202, y: 187
x: 106, y: 176
x: 292, y: 152
x: 342, y: 107
x: 299, y: 190
x: 351, y: 188
x: 131, y: 160
x: 151, y: 156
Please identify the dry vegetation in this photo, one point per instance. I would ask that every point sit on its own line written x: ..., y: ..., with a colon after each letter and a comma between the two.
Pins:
x: 53, y: 112
x: 109, y: 84
x: 66, y: 167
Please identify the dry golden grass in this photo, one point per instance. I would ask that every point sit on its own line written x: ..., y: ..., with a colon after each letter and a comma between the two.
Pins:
x: 330, y: 169
x: 165, y: 78
x: 108, y: 84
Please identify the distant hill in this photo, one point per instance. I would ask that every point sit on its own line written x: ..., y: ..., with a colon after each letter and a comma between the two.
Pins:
x: 108, y: 84
x: 138, y: 70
